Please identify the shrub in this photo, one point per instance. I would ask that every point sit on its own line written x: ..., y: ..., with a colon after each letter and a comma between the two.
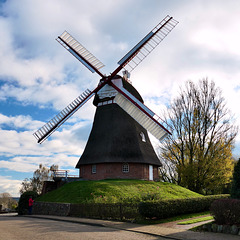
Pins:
x: 23, y: 202
x: 226, y: 211
x: 235, y: 191
x: 170, y: 208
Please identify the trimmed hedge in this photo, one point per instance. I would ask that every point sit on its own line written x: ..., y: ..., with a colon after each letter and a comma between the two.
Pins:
x: 226, y: 211
x: 171, y: 208
x: 117, y: 211
x: 129, y: 211
x: 235, y: 191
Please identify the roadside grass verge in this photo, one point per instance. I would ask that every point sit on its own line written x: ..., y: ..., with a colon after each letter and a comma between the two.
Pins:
x: 173, y: 219
x: 196, y: 220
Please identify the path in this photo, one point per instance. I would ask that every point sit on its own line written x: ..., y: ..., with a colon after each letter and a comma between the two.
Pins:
x: 108, y: 229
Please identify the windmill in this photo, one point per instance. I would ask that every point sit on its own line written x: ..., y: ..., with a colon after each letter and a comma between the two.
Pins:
x: 118, y: 145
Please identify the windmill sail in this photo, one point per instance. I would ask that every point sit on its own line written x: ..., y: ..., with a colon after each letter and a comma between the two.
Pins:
x: 144, y: 116
x: 147, y: 44
x: 130, y: 104
x: 80, y: 52
x: 51, y: 126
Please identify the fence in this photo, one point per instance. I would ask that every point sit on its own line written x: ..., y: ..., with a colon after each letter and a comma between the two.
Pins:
x: 63, y: 174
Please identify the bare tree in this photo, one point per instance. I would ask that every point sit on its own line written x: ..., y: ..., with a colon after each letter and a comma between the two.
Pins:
x: 36, y: 182
x: 7, y: 201
x: 203, y: 136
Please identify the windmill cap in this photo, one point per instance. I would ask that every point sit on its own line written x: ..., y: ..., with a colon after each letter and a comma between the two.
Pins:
x: 125, y: 84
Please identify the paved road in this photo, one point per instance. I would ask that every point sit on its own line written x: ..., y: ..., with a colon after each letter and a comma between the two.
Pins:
x: 24, y: 228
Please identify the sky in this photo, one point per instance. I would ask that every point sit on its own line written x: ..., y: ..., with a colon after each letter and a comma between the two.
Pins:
x: 38, y: 77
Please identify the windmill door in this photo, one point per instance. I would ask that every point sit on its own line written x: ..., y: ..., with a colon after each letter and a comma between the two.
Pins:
x: 151, y: 172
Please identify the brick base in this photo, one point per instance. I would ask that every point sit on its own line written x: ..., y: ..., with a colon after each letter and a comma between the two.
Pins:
x: 114, y: 171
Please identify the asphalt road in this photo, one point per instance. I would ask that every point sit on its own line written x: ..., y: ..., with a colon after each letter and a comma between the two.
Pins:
x: 24, y: 228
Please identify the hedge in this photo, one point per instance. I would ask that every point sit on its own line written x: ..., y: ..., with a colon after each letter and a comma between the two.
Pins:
x: 170, y: 208
x: 129, y: 211
x: 23, y: 202
x: 226, y: 211
x: 117, y: 211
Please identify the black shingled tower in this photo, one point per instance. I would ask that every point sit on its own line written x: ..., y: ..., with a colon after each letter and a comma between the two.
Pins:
x: 116, y: 137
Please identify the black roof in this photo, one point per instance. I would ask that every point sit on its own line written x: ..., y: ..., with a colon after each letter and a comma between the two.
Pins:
x: 115, y: 137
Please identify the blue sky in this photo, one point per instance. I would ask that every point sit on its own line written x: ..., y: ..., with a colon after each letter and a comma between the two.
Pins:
x: 38, y: 77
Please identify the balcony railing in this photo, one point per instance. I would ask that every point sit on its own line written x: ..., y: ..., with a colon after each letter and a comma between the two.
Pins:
x: 63, y: 174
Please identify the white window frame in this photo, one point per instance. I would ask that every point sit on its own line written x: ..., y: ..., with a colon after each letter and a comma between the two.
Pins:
x: 143, y: 137
x: 125, y: 168
x: 94, y: 168
x: 150, y: 172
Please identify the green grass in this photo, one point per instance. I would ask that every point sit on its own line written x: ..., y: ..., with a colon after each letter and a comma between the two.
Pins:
x: 196, y: 220
x: 113, y: 191
x: 173, y: 219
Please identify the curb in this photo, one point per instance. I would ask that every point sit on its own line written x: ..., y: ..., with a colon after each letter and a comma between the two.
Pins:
x: 150, y: 230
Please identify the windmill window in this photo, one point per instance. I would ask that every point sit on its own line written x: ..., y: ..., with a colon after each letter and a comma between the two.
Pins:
x: 125, y: 167
x: 143, y: 137
x: 94, y: 169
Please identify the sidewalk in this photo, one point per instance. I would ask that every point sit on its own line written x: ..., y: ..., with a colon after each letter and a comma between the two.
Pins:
x: 163, y: 230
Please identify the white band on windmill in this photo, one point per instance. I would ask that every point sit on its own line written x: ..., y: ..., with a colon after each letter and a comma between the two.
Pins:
x: 108, y: 92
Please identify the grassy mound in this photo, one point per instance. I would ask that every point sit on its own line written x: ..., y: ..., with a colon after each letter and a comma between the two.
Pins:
x: 114, y: 191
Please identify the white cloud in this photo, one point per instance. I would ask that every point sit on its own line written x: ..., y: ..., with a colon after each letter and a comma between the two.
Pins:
x: 23, y: 143
x: 20, y: 121
x: 19, y: 164
x: 9, y: 185
x: 20, y: 152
